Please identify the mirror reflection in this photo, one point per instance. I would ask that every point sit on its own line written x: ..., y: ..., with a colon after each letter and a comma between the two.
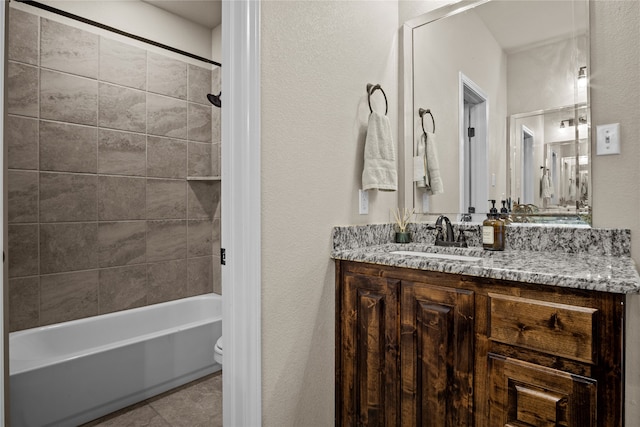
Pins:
x: 550, y: 174
x: 499, y: 79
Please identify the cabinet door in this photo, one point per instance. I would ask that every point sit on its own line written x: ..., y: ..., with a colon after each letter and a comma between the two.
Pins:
x: 436, y: 356
x: 524, y: 394
x: 368, y: 386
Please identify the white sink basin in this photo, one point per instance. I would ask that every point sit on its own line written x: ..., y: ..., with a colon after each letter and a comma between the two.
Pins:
x: 449, y: 257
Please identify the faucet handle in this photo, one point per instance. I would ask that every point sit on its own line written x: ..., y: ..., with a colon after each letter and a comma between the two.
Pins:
x: 438, y: 228
x: 462, y: 238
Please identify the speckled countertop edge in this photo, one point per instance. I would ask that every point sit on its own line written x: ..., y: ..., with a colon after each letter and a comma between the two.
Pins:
x: 592, y: 270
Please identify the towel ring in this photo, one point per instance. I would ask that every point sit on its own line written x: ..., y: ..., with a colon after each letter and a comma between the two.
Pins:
x: 422, y: 112
x: 370, y: 89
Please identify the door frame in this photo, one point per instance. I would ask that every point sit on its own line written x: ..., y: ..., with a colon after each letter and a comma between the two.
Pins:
x: 4, y: 295
x: 241, y: 208
x: 481, y: 166
x: 526, y: 176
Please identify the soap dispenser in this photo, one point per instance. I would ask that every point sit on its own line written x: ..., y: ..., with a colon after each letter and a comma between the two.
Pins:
x: 504, y: 213
x: 493, y: 230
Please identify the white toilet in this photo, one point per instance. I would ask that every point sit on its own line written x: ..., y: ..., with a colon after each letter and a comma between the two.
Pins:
x: 217, y: 351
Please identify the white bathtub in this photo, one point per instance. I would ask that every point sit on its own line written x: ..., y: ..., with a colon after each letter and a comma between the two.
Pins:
x: 73, y: 372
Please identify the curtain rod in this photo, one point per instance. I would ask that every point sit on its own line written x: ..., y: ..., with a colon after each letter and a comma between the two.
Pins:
x: 115, y: 30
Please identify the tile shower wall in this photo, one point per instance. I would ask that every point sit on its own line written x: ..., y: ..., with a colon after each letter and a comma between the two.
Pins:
x: 101, y: 138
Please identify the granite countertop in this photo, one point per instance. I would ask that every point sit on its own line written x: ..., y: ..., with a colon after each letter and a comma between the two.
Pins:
x: 583, y: 270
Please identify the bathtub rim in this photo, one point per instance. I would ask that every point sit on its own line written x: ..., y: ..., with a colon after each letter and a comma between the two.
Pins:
x: 52, y: 361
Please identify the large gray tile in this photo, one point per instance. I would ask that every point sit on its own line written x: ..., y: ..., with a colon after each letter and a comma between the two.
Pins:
x: 166, y: 76
x: 23, y: 37
x: 203, y: 199
x: 122, y: 108
x: 200, y: 275
x: 68, y: 246
x: 166, y: 281
x: 21, y: 138
x: 200, y: 159
x: 123, y: 64
x: 217, y: 277
x: 139, y: 415
x: 121, y: 198
x: 68, y: 296
x: 23, y: 250
x: 199, y: 84
x: 68, y: 148
x: 68, y: 98
x: 200, y: 237
x: 216, y: 236
x: 166, y: 158
x: 23, y: 196
x: 121, y: 153
x: 24, y: 303
x: 68, y: 49
x: 216, y: 161
x: 22, y: 89
x: 196, y: 406
x: 199, y: 123
x: 166, y: 116
x: 68, y: 197
x: 216, y: 123
x: 216, y: 79
x: 122, y: 243
x: 122, y: 288
x: 166, y: 240
x: 166, y: 199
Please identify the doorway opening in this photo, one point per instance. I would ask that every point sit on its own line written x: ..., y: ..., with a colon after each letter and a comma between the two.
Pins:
x: 474, y: 181
x: 527, y: 166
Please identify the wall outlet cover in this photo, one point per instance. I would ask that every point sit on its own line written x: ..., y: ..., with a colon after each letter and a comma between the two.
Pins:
x: 608, y: 139
x: 425, y: 202
x: 363, y: 202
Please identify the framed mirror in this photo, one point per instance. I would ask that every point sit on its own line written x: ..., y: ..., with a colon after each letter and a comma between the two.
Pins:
x: 480, y: 71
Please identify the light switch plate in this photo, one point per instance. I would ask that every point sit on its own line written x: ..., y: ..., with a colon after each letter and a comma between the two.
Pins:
x: 608, y: 141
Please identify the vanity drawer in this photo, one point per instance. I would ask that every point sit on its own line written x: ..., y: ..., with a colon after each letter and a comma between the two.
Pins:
x: 558, y: 329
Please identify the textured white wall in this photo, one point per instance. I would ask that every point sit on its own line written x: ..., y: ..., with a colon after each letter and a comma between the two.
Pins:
x: 216, y: 44
x: 316, y: 59
x: 615, y: 96
x: 545, y: 76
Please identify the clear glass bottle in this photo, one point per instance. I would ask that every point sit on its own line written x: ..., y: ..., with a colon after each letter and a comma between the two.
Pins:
x: 493, y: 230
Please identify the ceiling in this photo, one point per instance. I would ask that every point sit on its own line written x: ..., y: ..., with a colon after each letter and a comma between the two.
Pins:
x: 207, y: 13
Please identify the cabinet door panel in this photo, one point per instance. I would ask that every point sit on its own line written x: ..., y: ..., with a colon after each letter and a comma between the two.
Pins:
x: 523, y: 394
x: 369, y: 352
x: 437, y: 356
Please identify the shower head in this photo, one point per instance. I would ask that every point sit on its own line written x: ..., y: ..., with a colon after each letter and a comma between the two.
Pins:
x: 215, y: 99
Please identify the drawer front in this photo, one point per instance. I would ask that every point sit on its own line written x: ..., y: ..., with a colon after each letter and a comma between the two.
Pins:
x: 527, y: 395
x: 558, y: 329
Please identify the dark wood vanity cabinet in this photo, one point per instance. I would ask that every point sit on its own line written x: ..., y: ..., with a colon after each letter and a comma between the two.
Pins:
x: 418, y: 348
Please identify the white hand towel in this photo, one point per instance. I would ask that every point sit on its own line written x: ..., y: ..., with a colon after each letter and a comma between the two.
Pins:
x: 420, y: 165
x: 545, y: 187
x: 379, y: 156
x: 433, y: 180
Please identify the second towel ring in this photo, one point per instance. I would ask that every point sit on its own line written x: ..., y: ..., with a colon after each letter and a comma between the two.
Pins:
x: 372, y: 88
x: 421, y: 113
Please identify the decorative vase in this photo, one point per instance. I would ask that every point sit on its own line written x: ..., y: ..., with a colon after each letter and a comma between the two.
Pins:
x: 403, y: 237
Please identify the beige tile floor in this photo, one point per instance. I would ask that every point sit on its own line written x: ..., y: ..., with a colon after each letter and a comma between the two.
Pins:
x: 197, y: 404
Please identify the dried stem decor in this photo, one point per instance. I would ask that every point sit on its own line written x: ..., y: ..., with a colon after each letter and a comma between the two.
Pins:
x: 403, y: 218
